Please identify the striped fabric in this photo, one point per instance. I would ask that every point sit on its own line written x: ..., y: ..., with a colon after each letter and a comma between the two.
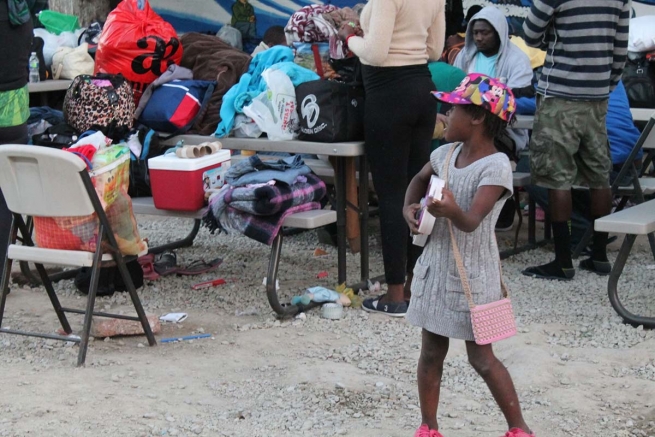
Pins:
x: 20, y: 11
x: 586, y: 43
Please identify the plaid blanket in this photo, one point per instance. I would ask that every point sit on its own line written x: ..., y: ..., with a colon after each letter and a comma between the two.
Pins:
x: 259, y: 212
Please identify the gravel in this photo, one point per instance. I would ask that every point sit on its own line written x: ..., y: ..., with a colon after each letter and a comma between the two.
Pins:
x: 579, y: 371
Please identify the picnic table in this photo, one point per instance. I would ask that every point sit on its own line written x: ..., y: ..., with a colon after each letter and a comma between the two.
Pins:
x: 45, y: 87
x: 341, y: 153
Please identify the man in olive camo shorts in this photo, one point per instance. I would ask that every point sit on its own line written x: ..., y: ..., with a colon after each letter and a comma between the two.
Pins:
x: 586, y: 43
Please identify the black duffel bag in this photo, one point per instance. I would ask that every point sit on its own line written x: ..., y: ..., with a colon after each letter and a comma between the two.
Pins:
x: 638, y: 83
x: 330, y: 111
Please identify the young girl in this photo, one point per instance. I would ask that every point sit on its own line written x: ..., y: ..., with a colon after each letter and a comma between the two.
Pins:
x: 479, y: 181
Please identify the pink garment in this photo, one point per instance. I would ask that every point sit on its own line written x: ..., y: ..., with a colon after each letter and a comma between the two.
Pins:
x: 86, y: 151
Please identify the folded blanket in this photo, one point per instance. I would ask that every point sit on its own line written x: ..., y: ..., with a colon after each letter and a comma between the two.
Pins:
x: 268, y: 199
x: 255, y: 171
x: 261, y: 228
x: 268, y: 202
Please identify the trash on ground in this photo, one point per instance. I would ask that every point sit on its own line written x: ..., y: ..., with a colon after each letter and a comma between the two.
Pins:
x: 174, y: 317
x: 186, y: 337
x: 355, y: 300
x: 321, y: 275
x: 208, y: 284
x: 319, y: 252
x: 332, y: 311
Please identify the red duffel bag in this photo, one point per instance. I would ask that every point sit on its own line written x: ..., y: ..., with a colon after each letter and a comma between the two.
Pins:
x: 137, y: 43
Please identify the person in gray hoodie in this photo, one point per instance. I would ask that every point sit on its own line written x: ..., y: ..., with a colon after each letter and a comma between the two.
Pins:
x: 488, y: 50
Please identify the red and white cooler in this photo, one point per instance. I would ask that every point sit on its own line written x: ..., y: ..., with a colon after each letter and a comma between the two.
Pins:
x: 177, y: 183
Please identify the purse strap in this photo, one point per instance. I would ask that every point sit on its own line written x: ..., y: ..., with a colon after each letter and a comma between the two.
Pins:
x: 458, y: 256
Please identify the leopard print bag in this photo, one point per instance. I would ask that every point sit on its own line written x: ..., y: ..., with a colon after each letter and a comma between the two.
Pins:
x: 102, y: 102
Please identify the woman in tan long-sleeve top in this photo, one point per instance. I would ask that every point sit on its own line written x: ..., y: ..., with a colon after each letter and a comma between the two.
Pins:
x: 398, y: 38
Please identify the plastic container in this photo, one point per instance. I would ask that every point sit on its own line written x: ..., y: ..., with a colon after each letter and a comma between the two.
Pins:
x: 177, y: 183
x: 34, y: 76
x: 332, y: 311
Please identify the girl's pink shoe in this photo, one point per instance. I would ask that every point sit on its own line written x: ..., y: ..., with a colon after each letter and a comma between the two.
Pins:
x: 424, y: 431
x: 517, y: 432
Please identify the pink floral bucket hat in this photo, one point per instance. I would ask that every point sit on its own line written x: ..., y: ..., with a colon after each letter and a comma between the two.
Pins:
x: 478, y: 89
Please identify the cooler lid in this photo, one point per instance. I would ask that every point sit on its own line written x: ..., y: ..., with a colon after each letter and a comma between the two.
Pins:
x: 172, y: 162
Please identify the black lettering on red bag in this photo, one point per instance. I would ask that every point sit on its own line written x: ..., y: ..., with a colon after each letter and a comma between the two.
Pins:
x: 163, y: 53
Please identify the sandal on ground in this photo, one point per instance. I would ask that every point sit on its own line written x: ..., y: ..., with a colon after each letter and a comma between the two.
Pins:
x: 542, y: 273
x: 424, y: 431
x: 199, y: 267
x: 147, y: 265
x: 166, y: 263
x: 392, y: 309
x: 602, y: 268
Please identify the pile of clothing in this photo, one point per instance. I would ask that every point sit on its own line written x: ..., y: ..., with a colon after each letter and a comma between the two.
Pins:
x: 320, y: 24
x: 258, y: 195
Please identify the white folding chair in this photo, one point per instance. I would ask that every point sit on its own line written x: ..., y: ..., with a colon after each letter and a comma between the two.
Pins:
x: 43, y: 182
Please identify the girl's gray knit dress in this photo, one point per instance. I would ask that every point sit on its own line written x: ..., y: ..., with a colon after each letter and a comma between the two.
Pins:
x: 438, y: 302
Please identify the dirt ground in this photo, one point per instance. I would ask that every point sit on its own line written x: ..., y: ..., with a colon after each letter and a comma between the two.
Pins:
x: 579, y: 371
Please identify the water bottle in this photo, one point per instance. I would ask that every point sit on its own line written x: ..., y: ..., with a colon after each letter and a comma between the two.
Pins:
x: 34, y: 68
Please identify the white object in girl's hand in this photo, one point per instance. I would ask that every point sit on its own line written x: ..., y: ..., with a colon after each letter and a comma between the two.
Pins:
x: 425, y: 219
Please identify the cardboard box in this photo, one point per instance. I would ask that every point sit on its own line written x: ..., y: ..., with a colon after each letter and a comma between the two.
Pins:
x: 177, y: 183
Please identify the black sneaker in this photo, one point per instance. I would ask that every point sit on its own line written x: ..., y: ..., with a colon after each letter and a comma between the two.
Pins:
x: 392, y: 309
x: 602, y: 268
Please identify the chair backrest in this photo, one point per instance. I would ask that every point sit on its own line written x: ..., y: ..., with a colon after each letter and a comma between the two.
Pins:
x: 40, y: 181
x: 648, y: 134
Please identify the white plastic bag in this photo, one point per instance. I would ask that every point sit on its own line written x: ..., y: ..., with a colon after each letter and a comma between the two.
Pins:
x: 231, y: 35
x: 245, y: 127
x: 52, y: 42
x: 275, y: 110
x: 642, y: 34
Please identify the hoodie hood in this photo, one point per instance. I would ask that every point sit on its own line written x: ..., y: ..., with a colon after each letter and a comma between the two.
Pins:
x: 497, y: 19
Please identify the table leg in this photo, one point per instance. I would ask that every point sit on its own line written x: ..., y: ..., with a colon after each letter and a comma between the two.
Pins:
x: 628, y: 317
x: 363, y: 217
x: 340, y: 185
x: 44, y: 99
x: 532, y: 221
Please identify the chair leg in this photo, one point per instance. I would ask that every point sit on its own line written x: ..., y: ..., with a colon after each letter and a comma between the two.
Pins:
x: 91, y: 300
x: 517, y: 203
x: 5, y: 287
x: 651, y: 241
x: 584, y: 242
x: 47, y: 284
x: 129, y: 284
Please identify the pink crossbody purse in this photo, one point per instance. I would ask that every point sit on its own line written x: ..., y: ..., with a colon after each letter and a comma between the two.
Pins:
x: 493, y: 321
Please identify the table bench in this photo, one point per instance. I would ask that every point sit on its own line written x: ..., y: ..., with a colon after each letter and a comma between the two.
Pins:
x: 48, y: 86
x: 302, y: 220
x: 638, y: 220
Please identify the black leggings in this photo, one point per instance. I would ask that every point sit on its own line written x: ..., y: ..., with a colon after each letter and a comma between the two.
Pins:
x: 400, y: 115
x: 8, y: 135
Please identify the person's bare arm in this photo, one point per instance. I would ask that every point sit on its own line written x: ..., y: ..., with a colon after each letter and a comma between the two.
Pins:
x: 413, y: 195
x: 468, y: 221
